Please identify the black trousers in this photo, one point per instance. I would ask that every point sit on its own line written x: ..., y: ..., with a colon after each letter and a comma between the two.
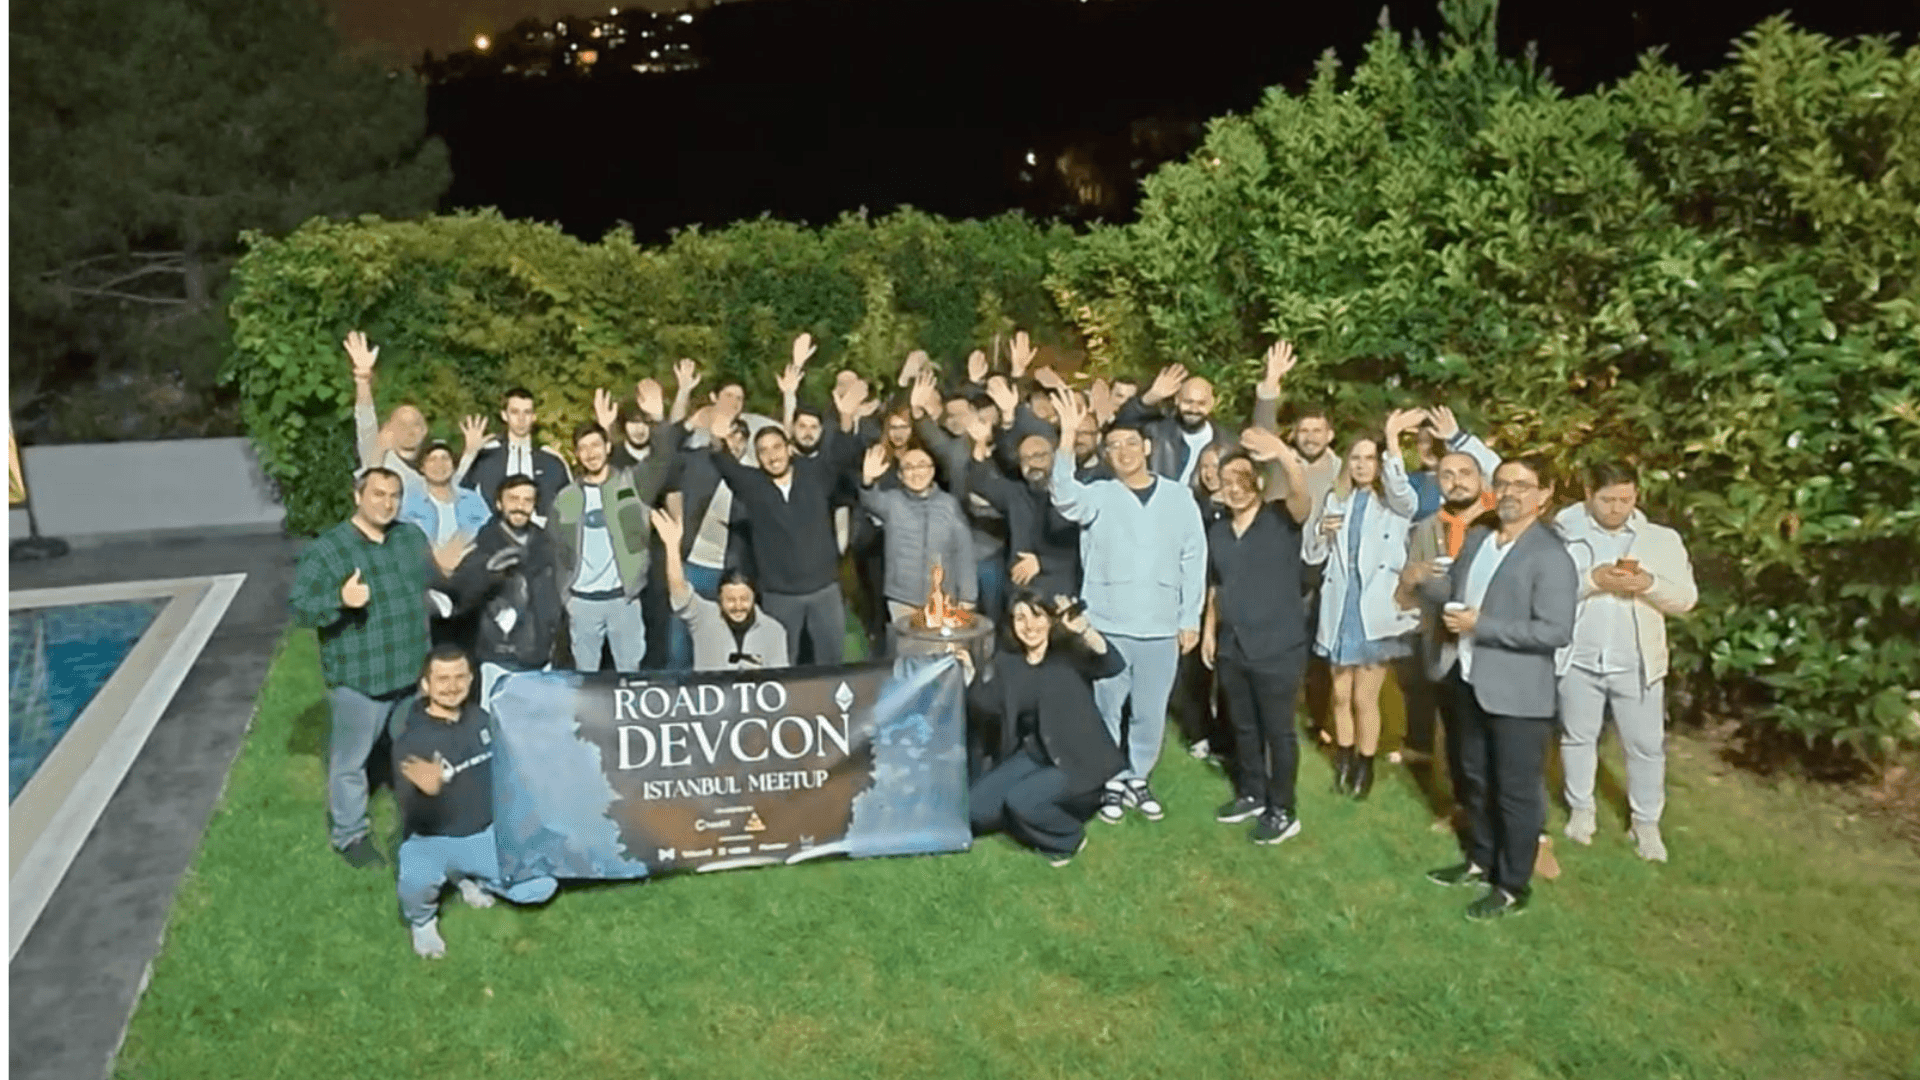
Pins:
x: 1260, y: 700
x: 1420, y: 696
x: 1030, y: 802
x: 1503, y: 776
x: 1199, y: 707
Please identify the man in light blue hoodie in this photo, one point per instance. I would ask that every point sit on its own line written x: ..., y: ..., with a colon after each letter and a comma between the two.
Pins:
x: 1143, y: 552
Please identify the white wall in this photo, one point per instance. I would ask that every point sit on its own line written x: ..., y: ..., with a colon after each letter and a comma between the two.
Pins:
x: 103, y: 490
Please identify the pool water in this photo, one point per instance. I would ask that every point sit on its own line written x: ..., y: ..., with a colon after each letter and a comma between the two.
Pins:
x: 58, y: 658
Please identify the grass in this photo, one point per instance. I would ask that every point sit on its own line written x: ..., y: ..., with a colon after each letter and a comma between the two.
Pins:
x: 1783, y: 941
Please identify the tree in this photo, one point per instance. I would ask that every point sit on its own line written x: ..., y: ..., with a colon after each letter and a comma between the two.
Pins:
x: 147, y: 136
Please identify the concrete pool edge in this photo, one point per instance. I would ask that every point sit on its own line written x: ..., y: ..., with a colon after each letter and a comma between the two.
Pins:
x: 66, y: 814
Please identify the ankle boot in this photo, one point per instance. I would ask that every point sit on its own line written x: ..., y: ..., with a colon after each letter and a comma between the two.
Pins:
x: 1343, y: 771
x: 1362, y: 783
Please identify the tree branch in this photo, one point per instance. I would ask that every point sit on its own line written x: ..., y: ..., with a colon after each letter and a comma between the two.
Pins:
x: 81, y: 263
x: 178, y: 267
x: 114, y: 294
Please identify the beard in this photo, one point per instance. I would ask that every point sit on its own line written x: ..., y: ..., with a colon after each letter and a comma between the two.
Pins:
x: 1457, y: 505
x: 1191, y: 424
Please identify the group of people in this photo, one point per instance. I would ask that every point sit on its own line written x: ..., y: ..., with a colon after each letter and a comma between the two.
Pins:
x: 1139, y: 557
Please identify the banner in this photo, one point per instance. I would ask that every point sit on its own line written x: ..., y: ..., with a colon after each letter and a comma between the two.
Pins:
x: 619, y: 776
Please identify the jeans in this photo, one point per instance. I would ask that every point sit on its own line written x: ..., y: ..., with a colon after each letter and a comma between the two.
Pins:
x: 705, y: 581
x: 620, y: 621
x: 991, y: 573
x: 428, y: 863
x: 1030, y: 802
x: 1639, y: 714
x: 1502, y: 762
x: 820, y: 616
x: 356, y: 723
x: 1260, y: 700
x: 1147, y: 681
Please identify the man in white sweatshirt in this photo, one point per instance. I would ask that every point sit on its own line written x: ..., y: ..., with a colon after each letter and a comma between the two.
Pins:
x: 1633, y: 574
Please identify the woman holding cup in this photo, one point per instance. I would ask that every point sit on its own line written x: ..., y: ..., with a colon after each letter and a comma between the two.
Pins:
x: 1359, y: 533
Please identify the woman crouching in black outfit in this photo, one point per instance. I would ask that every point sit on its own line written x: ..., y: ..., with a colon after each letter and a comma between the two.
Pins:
x: 1055, y: 753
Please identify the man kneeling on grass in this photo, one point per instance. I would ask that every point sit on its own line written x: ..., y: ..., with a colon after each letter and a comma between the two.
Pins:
x: 446, y: 804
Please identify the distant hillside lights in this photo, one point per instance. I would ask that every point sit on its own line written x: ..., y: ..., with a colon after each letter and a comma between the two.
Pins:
x: 635, y: 39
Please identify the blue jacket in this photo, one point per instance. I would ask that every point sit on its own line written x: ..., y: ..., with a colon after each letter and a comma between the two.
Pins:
x: 470, y: 511
x: 1143, y: 567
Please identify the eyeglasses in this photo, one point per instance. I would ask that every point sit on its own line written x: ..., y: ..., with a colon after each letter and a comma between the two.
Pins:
x: 921, y: 466
x: 1518, y: 487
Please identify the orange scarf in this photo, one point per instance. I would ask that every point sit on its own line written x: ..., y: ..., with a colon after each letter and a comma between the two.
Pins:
x: 1457, y: 523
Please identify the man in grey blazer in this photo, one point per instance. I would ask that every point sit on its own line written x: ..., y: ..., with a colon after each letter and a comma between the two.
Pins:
x: 1510, y: 599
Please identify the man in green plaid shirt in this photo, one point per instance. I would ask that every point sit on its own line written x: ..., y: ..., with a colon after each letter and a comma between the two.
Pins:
x: 363, y: 584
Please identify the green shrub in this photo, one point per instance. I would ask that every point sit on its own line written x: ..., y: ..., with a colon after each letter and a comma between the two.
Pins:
x: 465, y: 306
x: 1714, y: 280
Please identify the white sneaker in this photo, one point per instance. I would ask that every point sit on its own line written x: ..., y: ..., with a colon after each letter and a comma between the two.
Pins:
x: 1581, y: 825
x: 1141, y: 796
x: 1113, y: 805
x: 474, y: 895
x: 1200, y: 750
x: 427, y: 941
x: 1647, y: 843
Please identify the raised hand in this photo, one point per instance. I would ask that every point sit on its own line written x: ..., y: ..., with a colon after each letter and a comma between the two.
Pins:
x: 1100, y: 400
x: 803, y: 350
x: 667, y: 528
x: 1049, y: 378
x: 917, y: 361
x: 874, y: 465
x: 1445, y: 425
x: 849, y: 396
x: 1003, y: 396
x: 1401, y: 421
x: 925, y: 395
x: 473, y: 433
x: 1166, y: 384
x: 605, y: 412
x: 1280, y: 360
x: 651, y: 398
x: 363, y: 356
x: 1263, y: 445
x: 977, y: 366
x: 979, y: 430
x: 686, y: 374
x: 1069, y: 411
x: 789, y: 380
x: 719, y: 423
x: 1020, y: 354
x: 355, y: 593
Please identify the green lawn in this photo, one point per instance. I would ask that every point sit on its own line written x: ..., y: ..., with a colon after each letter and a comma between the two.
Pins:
x: 1783, y: 941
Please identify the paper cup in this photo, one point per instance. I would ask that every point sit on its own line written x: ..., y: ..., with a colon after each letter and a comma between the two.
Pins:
x: 1455, y: 605
x: 1444, y: 562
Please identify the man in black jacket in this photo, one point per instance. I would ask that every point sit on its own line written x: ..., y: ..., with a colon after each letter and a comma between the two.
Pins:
x: 511, y: 577
x: 789, y: 502
x: 519, y: 455
x: 1177, y: 439
x: 1043, y: 546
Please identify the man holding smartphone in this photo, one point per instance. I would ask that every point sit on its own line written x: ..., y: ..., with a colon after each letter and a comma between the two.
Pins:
x: 1633, y: 574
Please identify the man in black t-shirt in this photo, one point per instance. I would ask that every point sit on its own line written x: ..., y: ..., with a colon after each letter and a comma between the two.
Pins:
x: 444, y: 765
x: 1255, y: 631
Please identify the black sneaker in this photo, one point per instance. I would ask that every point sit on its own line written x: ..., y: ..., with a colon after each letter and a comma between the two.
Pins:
x: 361, y: 854
x: 1459, y: 874
x: 1113, y: 805
x: 1497, y: 904
x: 1276, y: 826
x: 1059, y: 860
x: 1141, y: 796
x: 1239, y: 810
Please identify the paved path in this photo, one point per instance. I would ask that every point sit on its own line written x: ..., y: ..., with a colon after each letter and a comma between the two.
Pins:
x: 77, y: 976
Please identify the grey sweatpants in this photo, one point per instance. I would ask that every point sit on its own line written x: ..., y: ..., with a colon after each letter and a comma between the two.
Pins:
x: 1639, y: 714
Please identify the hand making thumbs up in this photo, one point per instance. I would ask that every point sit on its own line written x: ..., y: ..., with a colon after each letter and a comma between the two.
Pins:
x: 355, y: 593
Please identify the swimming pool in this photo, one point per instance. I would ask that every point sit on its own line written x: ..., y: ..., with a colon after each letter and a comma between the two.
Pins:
x: 58, y: 658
